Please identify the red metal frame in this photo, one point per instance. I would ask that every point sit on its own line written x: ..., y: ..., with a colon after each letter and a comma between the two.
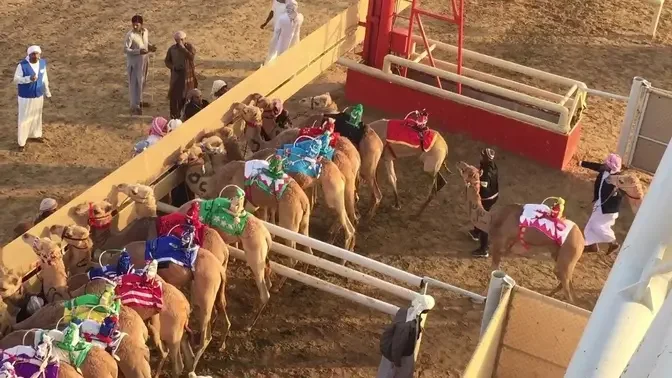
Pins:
x: 379, y: 34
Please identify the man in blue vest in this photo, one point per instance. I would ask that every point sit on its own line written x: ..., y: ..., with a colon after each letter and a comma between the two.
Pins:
x: 33, y: 84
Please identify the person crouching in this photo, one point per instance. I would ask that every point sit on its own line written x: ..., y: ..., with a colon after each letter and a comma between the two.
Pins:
x: 489, y: 193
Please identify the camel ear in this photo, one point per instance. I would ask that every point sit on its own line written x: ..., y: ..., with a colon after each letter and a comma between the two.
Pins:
x: 108, y: 207
x: 134, y: 190
x: 82, y: 209
x: 328, y: 98
x: 122, y: 187
x: 88, y: 228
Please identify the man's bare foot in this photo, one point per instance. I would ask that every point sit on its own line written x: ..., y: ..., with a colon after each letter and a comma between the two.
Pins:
x: 38, y: 140
x: 22, y: 148
x: 612, y: 247
x: 591, y: 248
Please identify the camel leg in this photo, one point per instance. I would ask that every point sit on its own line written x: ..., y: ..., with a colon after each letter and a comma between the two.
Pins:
x: 432, y: 192
x: 267, y: 279
x: 568, y: 256
x: 256, y: 252
x: 290, y: 218
x: 376, y: 198
x: 203, y: 293
x: 392, y: 178
x: 350, y: 200
x: 556, y: 290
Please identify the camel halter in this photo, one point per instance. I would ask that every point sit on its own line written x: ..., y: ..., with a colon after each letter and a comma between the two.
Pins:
x: 98, y: 222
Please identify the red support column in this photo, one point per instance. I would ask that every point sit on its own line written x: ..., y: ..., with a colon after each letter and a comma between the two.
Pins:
x: 379, y: 22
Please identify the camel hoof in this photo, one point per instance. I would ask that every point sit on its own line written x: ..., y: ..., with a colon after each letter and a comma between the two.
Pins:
x: 222, y: 348
x: 397, y: 207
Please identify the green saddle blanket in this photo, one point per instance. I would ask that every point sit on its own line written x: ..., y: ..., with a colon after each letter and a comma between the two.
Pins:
x: 69, y: 346
x: 91, y: 306
x: 215, y: 213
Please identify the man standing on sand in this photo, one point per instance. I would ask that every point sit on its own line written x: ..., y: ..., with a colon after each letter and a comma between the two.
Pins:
x: 180, y: 61
x: 33, y: 84
x: 287, y: 32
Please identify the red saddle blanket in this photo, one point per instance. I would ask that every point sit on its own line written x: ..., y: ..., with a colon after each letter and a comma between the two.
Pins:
x: 399, y: 132
x: 137, y: 291
x: 176, y: 222
x: 316, y: 131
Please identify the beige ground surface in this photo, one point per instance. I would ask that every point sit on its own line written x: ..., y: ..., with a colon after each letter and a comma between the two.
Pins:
x: 304, y: 332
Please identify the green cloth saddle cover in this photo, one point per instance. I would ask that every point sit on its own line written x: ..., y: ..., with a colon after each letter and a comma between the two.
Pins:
x: 269, y: 178
x: 69, y: 346
x: 213, y: 213
x: 91, y: 306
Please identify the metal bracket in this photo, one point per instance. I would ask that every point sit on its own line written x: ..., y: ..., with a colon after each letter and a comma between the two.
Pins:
x: 640, y: 292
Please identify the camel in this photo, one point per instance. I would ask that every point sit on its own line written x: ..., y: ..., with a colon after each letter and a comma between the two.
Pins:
x: 350, y: 126
x: 166, y: 327
x: 274, y: 118
x: 631, y: 186
x: 53, y: 274
x: 97, y: 363
x: 525, y: 224
x: 235, y: 225
x: 414, y: 134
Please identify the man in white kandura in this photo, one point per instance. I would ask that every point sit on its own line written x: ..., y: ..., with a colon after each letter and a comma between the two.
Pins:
x: 33, y: 84
x: 287, y: 30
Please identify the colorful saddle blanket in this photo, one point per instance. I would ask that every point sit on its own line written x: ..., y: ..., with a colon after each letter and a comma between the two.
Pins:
x: 318, y: 131
x: 214, y: 213
x: 257, y: 173
x: 171, y: 249
x: 304, y: 156
x: 135, y: 290
x: 68, y: 346
x: 400, y: 132
x: 23, y: 361
x: 539, y: 217
x: 346, y: 129
x: 111, y: 272
x: 177, y: 222
x: 91, y: 306
x: 106, y: 335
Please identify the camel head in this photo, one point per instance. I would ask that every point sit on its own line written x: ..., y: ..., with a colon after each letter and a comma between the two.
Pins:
x: 137, y: 192
x: 99, y: 213
x: 470, y: 174
x: 250, y: 113
x: 79, y: 238
x: 319, y: 102
x: 632, y: 186
x: 11, y: 287
x: 192, y: 155
x: 47, y: 250
x: 212, y: 145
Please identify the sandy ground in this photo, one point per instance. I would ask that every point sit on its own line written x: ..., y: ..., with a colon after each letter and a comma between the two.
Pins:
x: 304, y: 332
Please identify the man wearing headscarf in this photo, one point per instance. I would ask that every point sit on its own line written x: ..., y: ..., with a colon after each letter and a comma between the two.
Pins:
x: 180, y: 60
x: 219, y: 87
x: 33, y: 84
x: 136, y: 48
x: 159, y: 128
x: 47, y: 207
x: 195, y: 102
x: 288, y: 30
x: 606, y: 205
x: 489, y: 193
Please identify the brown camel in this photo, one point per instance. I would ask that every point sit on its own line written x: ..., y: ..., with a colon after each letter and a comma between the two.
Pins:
x: 166, y: 327
x: 433, y: 157
x: 235, y: 225
x: 631, y: 186
x: 208, y: 275
x: 53, y: 275
x: 506, y: 227
x: 346, y: 158
x: 97, y: 364
x: 366, y: 140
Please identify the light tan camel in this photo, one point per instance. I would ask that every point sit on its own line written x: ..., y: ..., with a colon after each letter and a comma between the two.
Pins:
x: 631, y: 186
x: 97, y: 364
x: 368, y: 143
x: 166, y: 327
x: 505, y: 229
x: 207, y: 280
x: 235, y: 225
x: 346, y: 158
x: 53, y: 275
x: 433, y: 158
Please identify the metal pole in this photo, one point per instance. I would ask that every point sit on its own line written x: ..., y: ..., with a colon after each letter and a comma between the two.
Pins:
x: 498, y: 282
x: 653, y: 355
x: 656, y: 17
x: 628, y: 303
x: 638, y: 84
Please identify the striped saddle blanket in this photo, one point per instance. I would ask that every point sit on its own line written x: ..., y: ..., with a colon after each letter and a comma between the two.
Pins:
x: 170, y: 249
x: 104, y: 335
x: 136, y: 290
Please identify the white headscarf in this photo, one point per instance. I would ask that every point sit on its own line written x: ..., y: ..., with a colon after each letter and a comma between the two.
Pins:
x: 179, y: 35
x: 216, y: 86
x: 48, y: 204
x: 291, y: 7
x: 419, y: 305
x: 34, y: 49
x: 173, y: 124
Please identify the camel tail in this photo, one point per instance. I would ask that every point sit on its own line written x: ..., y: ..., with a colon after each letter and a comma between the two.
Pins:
x: 445, y: 166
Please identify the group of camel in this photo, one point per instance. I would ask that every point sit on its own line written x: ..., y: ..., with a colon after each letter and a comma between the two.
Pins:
x: 234, y: 189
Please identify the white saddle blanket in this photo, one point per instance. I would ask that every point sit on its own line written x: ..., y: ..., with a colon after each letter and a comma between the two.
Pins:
x: 538, y: 216
x: 256, y: 168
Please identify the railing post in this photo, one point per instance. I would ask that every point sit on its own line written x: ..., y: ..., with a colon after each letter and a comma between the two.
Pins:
x: 499, y: 281
x: 635, y: 288
x: 634, y: 103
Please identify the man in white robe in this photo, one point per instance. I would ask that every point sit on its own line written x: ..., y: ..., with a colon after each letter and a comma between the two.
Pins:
x: 287, y: 31
x: 33, y: 84
x: 606, y: 205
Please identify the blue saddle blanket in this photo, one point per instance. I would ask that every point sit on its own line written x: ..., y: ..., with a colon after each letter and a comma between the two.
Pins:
x: 111, y: 272
x: 169, y: 249
x: 303, y: 157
